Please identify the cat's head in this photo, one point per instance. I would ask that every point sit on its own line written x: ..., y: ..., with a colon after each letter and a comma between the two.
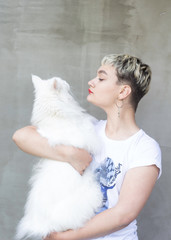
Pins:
x: 54, y: 85
x: 52, y: 95
x: 54, y: 88
x: 52, y: 98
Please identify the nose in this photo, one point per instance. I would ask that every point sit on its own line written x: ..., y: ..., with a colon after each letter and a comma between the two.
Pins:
x: 91, y: 83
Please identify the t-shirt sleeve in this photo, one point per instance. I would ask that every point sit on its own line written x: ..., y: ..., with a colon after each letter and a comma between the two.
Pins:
x: 147, y: 152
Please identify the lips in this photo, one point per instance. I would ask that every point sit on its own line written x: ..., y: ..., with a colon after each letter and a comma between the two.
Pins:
x: 90, y: 91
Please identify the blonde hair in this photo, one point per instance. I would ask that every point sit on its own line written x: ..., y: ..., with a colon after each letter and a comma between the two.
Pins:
x: 132, y: 71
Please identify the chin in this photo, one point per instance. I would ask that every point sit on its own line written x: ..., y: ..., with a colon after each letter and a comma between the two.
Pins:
x: 89, y: 98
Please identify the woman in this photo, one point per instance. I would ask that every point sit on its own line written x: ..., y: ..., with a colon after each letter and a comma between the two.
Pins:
x: 130, y: 161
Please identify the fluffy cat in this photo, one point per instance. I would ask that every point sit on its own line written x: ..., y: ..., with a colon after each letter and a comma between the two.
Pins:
x: 60, y: 198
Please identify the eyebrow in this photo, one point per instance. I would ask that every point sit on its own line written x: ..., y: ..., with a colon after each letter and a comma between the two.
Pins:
x: 102, y: 71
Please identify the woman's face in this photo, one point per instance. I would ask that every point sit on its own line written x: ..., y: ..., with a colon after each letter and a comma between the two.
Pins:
x: 104, y: 88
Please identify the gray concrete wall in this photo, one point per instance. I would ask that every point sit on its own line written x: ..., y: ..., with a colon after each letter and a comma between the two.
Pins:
x: 68, y: 38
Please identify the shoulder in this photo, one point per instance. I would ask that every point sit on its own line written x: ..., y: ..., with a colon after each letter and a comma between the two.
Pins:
x: 145, y: 142
x: 100, y: 128
x: 146, y: 151
x: 99, y: 124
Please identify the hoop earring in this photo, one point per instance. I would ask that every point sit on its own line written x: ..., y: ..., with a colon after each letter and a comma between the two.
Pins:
x: 119, y: 107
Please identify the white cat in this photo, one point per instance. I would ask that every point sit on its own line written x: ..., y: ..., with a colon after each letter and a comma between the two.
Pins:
x: 60, y: 198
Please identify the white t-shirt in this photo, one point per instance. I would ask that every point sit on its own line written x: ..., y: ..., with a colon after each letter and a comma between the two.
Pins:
x: 115, y: 159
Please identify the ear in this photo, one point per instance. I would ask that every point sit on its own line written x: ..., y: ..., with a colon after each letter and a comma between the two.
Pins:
x: 57, y: 84
x: 125, y: 91
x: 54, y: 83
x: 36, y: 81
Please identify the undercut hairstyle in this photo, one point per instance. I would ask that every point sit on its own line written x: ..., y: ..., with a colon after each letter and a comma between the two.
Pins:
x: 132, y: 71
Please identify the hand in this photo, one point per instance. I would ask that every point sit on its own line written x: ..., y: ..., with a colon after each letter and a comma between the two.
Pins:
x: 67, y: 235
x: 52, y: 236
x: 78, y: 158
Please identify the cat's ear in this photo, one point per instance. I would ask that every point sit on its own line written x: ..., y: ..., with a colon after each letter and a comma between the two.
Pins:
x: 60, y: 84
x: 56, y: 85
x: 36, y: 81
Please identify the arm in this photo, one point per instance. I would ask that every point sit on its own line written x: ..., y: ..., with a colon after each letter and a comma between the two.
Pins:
x: 136, y: 189
x: 30, y: 141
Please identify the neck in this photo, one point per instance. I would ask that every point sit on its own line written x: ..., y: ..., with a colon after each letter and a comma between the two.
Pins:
x: 122, y: 126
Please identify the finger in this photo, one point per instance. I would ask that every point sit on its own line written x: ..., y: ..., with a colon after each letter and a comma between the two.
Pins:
x: 82, y: 172
x: 46, y: 238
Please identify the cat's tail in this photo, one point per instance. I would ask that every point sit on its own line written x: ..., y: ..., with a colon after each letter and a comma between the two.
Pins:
x: 22, y: 231
x: 26, y: 229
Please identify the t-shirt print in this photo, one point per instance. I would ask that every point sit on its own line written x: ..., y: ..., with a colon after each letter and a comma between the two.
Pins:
x: 106, y: 175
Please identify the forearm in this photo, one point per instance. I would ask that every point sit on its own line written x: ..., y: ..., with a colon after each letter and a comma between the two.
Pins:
x: 103, y: 224
x: 30, y: 141
x: 135, y: 191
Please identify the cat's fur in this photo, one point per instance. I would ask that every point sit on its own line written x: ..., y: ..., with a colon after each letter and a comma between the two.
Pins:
x: 60, y: 198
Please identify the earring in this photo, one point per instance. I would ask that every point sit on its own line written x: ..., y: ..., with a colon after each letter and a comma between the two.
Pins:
x: 119, y: 107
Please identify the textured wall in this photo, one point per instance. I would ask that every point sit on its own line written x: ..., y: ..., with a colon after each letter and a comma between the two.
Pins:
x: 68, y: 38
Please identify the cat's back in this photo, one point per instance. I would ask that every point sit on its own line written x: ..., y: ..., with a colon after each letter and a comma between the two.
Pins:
x: 77, y: 130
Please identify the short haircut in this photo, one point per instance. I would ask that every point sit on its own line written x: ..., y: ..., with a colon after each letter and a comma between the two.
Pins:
x: 132, y: 71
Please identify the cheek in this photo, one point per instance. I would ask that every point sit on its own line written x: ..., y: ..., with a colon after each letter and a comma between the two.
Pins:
x: 107, y: 99
x: 107, y: 94
x: 102, y: 98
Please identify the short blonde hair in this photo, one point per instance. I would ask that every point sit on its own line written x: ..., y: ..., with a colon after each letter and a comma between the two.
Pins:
x: 132, y: 71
